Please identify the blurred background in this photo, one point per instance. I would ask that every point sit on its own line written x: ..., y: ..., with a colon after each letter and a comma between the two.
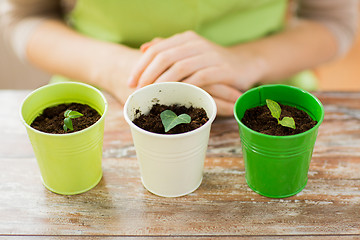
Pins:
x: 15, y: 74
x: 340, y: 75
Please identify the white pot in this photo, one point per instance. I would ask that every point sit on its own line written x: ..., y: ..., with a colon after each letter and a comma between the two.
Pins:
x: 171, y: 165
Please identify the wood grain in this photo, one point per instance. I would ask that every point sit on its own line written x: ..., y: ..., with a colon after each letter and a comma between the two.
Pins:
x: 223, y: 207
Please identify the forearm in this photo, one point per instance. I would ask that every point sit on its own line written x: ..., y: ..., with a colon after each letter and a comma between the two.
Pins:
x: 301, y: 46
x: 57, y: 49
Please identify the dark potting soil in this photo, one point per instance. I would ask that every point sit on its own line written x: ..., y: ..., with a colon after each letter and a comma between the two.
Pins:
x: 260, y: 119
x: 152, y: 121
x: 52, y: 118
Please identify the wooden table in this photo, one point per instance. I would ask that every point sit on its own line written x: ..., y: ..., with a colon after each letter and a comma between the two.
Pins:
x: 223, y: 207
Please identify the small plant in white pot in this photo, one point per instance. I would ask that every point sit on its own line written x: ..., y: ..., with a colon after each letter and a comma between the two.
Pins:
x: 171, y: 158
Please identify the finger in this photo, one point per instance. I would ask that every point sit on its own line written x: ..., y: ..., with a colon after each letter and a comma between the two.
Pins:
x: 172, y: 41
x: 186, y: 67
x: 224, y: 108
x: 184, y: 60
x: 154, y: 50
x: 146, y: 45
x: 224, y: 92
x: 209, y: 76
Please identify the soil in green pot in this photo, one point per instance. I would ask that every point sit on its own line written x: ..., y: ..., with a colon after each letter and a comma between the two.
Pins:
x: 152, y: 122
x: 52, y: 118
x: 260, y: 119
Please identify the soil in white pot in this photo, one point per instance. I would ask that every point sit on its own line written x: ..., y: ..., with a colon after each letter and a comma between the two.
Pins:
x: 152, y: 122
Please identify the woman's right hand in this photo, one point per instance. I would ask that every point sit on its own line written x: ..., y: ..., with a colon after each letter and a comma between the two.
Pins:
x: 114, y: 72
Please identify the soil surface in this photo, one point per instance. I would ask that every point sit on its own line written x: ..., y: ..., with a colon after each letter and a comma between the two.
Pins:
x: 152, y: 121
x: 261, y: 120
x: 52, y: 118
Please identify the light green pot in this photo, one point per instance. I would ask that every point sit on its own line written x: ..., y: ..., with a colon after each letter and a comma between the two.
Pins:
x: 69, y: 163
x: 277, y: 166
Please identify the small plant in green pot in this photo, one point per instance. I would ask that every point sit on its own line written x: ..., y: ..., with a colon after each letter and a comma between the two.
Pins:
x: 69, y: 115
x: 171, y: 152
x: 277, y: 158
x: 70, y: 159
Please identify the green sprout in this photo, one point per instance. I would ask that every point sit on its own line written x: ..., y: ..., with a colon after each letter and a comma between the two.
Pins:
x: 275, y: 110
x: 69, y: 114
x: 170, y: 119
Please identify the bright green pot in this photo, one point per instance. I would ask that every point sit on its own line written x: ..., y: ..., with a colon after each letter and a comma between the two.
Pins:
x: 69, y: 163
x: 277, y: 166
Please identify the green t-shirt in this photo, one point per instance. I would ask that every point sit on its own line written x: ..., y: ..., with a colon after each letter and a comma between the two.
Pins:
x: 225, y: 22
x: 133, y: 22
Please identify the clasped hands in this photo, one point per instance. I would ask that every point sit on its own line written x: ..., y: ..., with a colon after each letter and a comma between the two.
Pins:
x: 190, y: 58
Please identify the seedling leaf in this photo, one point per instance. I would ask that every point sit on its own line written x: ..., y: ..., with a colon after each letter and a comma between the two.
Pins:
x: 69, y: 114
x: 274, y: 108
x: 68, y: 124
x: 72, y: 114
x: 287, y: 122
x: 169, y: 119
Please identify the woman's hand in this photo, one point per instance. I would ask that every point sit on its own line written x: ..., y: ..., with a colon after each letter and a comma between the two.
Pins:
x: 190, y: 58
x: 224, y: 96
x: 115, y: 69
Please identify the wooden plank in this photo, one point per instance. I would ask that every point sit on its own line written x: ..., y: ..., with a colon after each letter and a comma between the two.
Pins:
x: 209, y: 237
x: 223, y: 206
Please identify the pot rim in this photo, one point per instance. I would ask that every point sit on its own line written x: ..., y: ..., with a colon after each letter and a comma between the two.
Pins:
x: 281, y: 137
x: 159, y: 135
x: 54, y: 85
